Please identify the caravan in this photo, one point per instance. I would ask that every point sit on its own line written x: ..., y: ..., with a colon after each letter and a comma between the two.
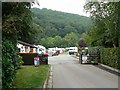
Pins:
x: 73, y: 50
x: 40, y: 49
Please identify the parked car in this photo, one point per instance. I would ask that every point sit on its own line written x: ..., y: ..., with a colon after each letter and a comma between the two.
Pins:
x: 56, y: 53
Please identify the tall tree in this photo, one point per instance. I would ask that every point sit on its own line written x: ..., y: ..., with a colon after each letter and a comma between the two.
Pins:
x: 106, y: 19
x: 16, y: 24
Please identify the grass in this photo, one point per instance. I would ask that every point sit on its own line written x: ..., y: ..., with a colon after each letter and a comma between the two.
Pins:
x: 31, y: 76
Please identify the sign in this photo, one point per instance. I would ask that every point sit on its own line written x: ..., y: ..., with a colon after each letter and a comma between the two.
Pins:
x: 36, y: 61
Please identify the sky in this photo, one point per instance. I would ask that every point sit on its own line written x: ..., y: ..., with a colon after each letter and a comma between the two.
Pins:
x: 69, y: 6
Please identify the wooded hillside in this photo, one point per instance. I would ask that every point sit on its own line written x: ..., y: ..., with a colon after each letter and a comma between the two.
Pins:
x: 59, y: 24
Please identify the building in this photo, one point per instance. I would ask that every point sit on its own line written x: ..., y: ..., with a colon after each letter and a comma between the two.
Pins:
x: 24, y: 47
x: 30, y: 52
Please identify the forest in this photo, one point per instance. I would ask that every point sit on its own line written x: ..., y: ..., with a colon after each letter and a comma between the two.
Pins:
x: 59, y: 29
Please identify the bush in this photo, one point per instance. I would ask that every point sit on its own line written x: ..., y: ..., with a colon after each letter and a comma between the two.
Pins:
x: 9, y: 62
x: 94, y: 51
x: 110, y: 57
x: 20, y: 61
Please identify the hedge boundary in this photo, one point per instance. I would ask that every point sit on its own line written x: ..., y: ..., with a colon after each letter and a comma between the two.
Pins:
x: 110, y: 57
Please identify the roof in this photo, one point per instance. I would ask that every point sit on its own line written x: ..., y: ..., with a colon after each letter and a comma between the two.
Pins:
x: 27, y: 44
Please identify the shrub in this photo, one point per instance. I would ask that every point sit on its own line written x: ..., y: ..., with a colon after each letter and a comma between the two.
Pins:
x: 9, y: 62
x: 20, y: 61
x: 110, y: 57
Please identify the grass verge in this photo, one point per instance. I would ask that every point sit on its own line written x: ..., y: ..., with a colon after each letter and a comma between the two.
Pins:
x: 31, y: 76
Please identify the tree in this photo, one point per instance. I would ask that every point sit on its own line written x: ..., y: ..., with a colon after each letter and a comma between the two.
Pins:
x: 34, y: 34
x: 16, y: 24
x: 58, y: 41
x: 57, y: 23
x: 82, y: 43
x: 106, y: 20
x: 71, y: 39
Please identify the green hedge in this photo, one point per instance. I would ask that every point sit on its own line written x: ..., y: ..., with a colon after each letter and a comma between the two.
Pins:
x: 110, y: 57
x: 9, y: 62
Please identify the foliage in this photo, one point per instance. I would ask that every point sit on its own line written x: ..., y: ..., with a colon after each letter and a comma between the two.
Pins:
x: 31, y: 76
x: 106, y: 30
x: 110, y: 57
x: 94, y: 51
x: 60, y: 23
x: 9, y: 62
x: 17, y: 21
x: 16, y: 24
x: 106, y: 19
x: 34, y: 34
x: 20, y: 61
x: 60, y: 29
x: 71, y: 39
x: 15, y: 18
x: 82, y: 43
x: 87, y: 39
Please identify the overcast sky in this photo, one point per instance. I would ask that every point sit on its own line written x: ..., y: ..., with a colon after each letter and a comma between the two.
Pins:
x: 69, y: 6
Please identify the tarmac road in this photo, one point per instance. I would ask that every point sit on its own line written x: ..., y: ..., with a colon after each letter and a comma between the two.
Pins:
x: 68, y: 73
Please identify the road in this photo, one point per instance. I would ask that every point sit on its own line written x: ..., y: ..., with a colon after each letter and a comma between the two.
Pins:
x: 68, y: 73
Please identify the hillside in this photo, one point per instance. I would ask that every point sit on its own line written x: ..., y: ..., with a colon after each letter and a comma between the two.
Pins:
x: 60, y: 29
x: 60, y: 23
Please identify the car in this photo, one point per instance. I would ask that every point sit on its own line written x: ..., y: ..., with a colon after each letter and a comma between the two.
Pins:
x: 56, y: 53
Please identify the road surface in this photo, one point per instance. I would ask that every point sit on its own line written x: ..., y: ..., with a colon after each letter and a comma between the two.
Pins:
x: 68, y: 73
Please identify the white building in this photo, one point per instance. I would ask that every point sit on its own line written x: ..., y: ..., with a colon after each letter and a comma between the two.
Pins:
x: 26, y: 48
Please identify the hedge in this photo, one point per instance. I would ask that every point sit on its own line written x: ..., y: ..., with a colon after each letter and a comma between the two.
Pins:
x: 110, y: 57
x: 9, y: 62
